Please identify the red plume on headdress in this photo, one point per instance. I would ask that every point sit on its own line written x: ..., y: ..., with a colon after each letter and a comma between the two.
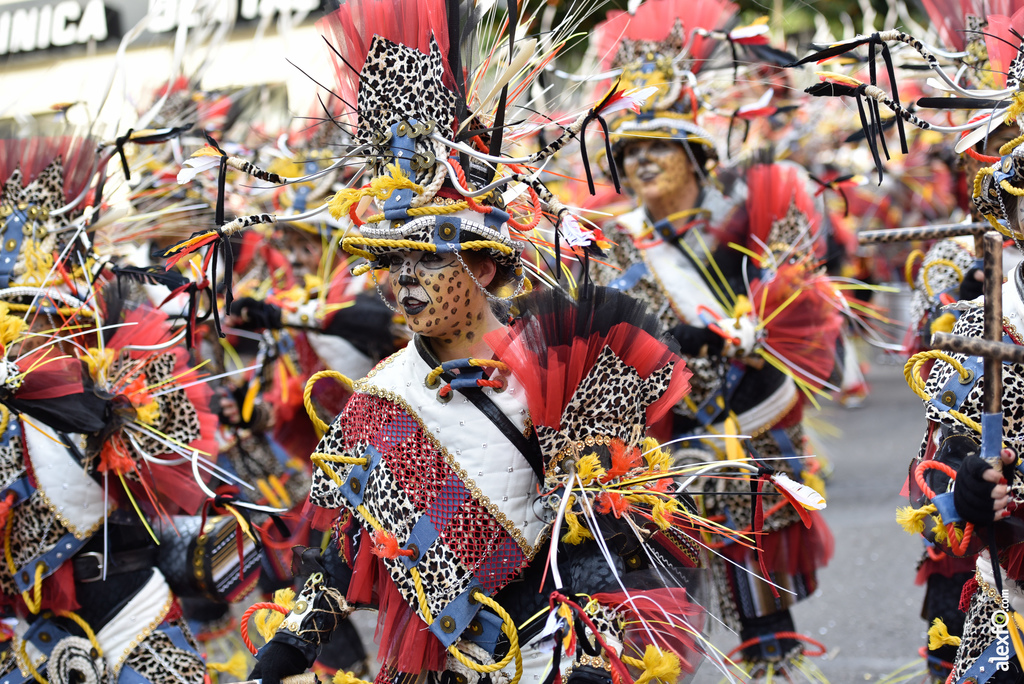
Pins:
x: 557, y: 343
x: 351, y: 28
x: 33, y: 155
x: 1002, y: 44
x: 654, y: 21
x: 796, y: 302
x: 778, y: 193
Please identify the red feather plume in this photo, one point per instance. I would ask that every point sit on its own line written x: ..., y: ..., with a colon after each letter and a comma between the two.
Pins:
x: 351, y: 28
x: 654, y: 21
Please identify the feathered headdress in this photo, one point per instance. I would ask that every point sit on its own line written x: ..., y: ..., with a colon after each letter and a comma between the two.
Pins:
x: 430, y: 127
x: 663, y: 49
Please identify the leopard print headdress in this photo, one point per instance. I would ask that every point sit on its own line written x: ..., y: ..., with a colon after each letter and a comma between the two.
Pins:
x: 41, y: 180
x: 664, y: 46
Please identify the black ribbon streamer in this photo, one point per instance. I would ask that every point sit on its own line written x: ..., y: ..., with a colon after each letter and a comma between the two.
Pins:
x: 119, y: 145
x: 592, y: 116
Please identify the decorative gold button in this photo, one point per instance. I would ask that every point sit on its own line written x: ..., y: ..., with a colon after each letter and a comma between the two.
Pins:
x: 10, y: 245
x: 45, y: 637
x: 447, y: 230
x: 447, y: 624
x: 476, y: 628
x: 355, y: 485
x: 300, y: 607
x: 949, y: 398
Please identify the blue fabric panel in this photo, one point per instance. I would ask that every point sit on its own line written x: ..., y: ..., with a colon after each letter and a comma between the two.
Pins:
x: 354, y: 493
x: 944, y: 503
x: 457, y: 615
x: 65, y: 548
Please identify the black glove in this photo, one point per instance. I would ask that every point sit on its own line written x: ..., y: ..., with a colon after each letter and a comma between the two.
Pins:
x: 256, y: 314
x: 972, y: 495
x: 971, y: 288
x: 278, y: 660
x: 693, y: 340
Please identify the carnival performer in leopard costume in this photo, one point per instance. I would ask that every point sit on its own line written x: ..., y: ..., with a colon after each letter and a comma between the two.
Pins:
x: 672, y: 252
x: 106, y: 441
x: 963, y: 504
x: 490, y: 488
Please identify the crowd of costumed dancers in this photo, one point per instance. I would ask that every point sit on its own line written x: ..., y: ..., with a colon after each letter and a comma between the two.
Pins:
x: 515, y: 339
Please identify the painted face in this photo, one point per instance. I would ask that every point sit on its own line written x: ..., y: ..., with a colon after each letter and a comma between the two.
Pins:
x: 437, y: 295
x: 656, y: 169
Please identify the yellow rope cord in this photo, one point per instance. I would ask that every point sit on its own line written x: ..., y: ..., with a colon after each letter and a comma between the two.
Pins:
x: 320, y: 460
x: 8, y: 556
x: 912, y: 374
x: 78, y: 620
x: 1006, y: 148
x: 988, y: 171
x: 63, y: 310
x: 23, y: 652
x: 508, y: 627
x: 380, y: 188
x: 36, y: 602
x: 429, y: 210
x: 1016, y: 192
x: 933, y: 264
x: 307, y: 396
x: 908, y: 266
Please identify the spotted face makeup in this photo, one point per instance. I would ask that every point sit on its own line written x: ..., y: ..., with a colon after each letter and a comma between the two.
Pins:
x: 656, y: 169
x: 437, y: 296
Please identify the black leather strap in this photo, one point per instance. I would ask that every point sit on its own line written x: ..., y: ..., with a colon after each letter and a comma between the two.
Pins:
x: 89, y: 565
x: 529, y: 447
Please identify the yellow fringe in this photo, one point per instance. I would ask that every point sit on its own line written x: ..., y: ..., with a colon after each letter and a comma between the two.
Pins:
x: 589, y: 468
x: 939, y: 636
x: 912, y: 519
x: 237, y: 665
x: 268, y: 621
x: 577, y: 533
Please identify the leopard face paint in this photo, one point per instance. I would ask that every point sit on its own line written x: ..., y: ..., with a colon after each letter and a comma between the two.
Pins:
x: 437, y: 296
x: 656, y: 169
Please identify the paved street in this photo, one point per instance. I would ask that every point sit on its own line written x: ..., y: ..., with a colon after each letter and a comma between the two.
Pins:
x: 867, y: 611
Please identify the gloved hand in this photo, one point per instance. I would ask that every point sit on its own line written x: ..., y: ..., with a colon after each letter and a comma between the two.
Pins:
x: 255, y: 314
x: 981, y: 493
x: 973, y: 284
x: 278, y: 660
x: 745, y: 330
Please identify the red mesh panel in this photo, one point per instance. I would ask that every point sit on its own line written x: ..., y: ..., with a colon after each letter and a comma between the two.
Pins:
x: 418, y: 468
x: 446, y: 506
x: 472, y: 534
x: 502, y: 565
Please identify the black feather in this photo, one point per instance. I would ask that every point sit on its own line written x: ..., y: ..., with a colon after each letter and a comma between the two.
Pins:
x: 830, y: 89
x: 830, y: 52
x: 151, y: 275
